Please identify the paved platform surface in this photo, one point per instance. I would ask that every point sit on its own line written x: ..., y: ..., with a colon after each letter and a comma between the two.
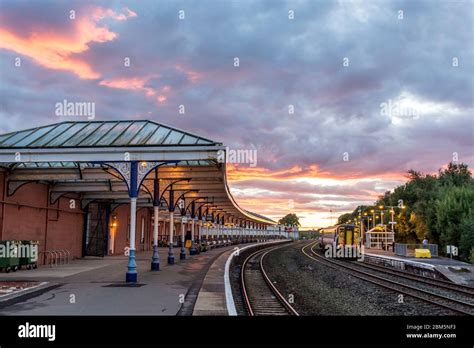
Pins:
x: 457, y: 271
x: 211, y: 299
x: 96, y: 286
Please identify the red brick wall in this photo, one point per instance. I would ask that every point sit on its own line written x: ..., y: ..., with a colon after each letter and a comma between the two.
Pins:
x: 122, y: 229
x: 122, y: 213
x: 67, y: 231
x: 28, y: 215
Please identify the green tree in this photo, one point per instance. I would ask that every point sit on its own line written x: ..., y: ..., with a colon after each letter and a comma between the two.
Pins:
x: 466, y: 242
x: 289, y: 220
x: 405, y: 228
x: 455, y: 218
x: 344, y: 218
x: 455, y: 175
x: 438, y: 206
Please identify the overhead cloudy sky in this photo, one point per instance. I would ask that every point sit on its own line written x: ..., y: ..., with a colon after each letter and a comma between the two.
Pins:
x: 339, y: 98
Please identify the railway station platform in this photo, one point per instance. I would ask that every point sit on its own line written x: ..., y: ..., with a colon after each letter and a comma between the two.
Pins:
x: 439, y: 267
x: 215, y: 296
x: 96, y: 286
x: 212, y: 295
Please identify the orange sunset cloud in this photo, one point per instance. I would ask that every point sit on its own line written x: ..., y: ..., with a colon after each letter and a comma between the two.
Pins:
x: 56, y: 51
x: 239, y: 173
x: 132, y: 83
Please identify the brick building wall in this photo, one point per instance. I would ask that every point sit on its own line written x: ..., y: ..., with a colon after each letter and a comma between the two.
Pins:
x: 28, y: 214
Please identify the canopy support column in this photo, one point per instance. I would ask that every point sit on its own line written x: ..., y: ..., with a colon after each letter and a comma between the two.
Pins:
x: 170, y: 244
x: 155, y: 260
x: 200, y: 232
x: 132, y: 275
x: 193, y: 250
x: 133, y: 173
x: 182, y: 254
x: 171, y: 211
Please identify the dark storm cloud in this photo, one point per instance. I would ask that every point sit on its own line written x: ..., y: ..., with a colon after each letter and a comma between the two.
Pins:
x: 282, y: 62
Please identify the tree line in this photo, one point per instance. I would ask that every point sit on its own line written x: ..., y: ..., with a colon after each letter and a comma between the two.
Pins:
x: 437, y: 206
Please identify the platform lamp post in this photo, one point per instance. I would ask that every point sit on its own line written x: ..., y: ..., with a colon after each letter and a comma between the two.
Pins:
x: 361, y: 227
x: 366, y: 217
x: 392, y: 212
x: 373, y: 217
x: 381, y: 215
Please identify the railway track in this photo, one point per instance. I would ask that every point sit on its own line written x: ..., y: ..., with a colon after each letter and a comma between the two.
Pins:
x: 260, y: 296
x: 462, y: 289
x: 446, y: 302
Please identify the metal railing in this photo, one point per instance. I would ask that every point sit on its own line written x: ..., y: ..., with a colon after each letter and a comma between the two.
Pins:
x: 56, y: 257
x: 408, y: 250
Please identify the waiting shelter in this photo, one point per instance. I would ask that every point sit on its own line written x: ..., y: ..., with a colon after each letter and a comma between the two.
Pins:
x: 379, y: 238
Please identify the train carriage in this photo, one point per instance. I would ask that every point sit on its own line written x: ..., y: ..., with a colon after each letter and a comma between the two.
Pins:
x: 341, y: 241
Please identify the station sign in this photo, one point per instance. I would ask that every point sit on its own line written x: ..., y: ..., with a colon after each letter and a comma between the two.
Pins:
x: 451, y: 249
x: 184, y: 219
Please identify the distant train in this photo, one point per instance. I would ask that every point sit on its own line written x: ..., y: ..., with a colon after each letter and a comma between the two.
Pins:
x: 341, y: 241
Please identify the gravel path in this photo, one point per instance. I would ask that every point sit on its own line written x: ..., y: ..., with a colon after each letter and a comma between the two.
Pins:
x: 320, y: 290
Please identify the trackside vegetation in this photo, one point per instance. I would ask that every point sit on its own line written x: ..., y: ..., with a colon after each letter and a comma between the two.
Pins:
x: 437, y: 206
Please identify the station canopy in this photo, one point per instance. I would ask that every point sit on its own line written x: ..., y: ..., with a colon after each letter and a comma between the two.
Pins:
x: 84, y: 158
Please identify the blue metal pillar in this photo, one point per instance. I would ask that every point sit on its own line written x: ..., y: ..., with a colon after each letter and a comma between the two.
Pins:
x: 182, y: 254
x: 132, y: 275
x: 182, y: 209
x: 171, y: 210
x: 193, y: 250
x: 155, y: 260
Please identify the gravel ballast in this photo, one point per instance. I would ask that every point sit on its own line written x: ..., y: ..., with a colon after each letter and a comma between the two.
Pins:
x: 318, y: 289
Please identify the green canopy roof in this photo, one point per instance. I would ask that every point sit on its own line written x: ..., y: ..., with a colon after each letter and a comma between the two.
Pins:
x: 101, y: 134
